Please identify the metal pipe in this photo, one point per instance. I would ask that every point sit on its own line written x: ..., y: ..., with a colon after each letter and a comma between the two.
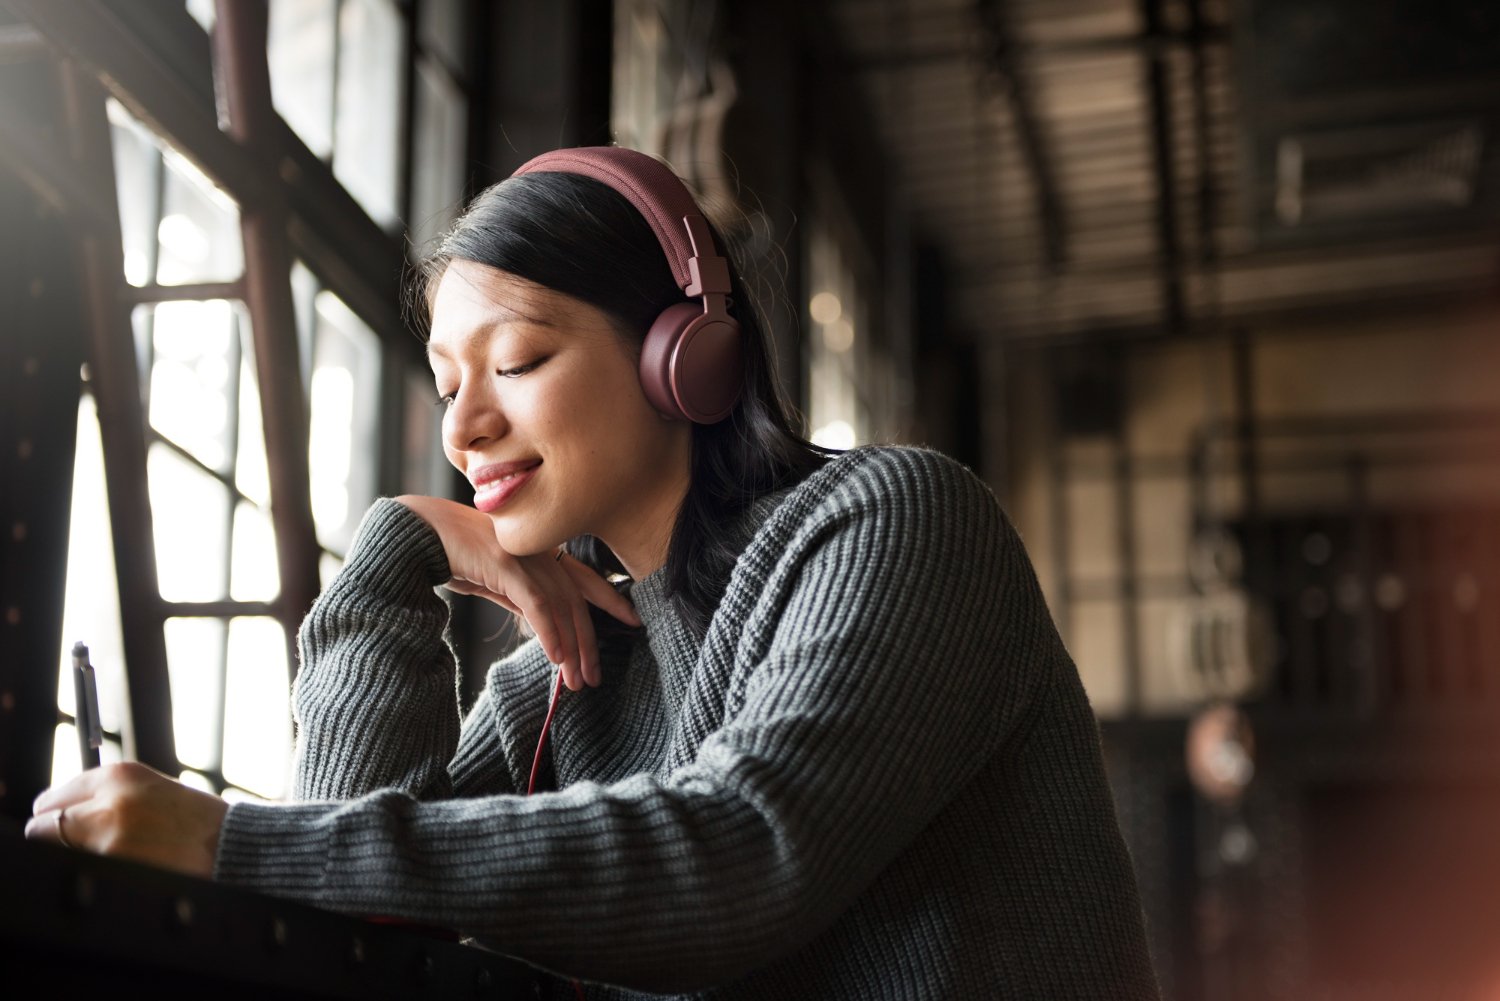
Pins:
x: 115, y: 382
x: 1172, y: 308
x: 239, y: 41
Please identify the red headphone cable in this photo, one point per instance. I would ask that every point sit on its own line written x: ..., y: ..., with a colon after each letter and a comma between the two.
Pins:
x: 536, y: 764
x: 541, y: 744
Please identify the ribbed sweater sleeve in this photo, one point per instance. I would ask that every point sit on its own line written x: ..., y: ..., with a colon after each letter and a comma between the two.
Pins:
x: 894, y: 644
x: 375, y: 699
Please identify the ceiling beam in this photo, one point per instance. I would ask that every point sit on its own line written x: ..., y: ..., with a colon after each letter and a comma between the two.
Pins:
x: 1002, y: 67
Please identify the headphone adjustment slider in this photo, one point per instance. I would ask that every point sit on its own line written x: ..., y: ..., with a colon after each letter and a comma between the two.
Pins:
x: 710, y: 276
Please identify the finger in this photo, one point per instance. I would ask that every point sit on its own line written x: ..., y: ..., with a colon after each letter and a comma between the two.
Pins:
x: 598, y: 591
x: 77, y: 789
x: 68, y: 826
x: 536, y: 608
x: 563, y: 599
x: 480, y: 591
x: 588, y: 644
x: 578, y: 631
x: 45, y: 826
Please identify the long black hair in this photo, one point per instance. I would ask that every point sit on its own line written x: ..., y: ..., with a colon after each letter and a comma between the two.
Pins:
x: 580, y: 237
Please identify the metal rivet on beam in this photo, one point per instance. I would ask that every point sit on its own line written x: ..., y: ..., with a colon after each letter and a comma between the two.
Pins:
x: 182, y: 911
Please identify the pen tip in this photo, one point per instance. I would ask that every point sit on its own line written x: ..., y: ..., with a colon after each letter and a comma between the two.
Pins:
x: 79, y: 649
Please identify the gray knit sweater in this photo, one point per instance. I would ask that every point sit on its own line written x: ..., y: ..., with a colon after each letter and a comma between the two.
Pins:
x: 877, y: 776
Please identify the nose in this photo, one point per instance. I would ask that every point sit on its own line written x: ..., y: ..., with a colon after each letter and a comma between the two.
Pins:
x: 474, y: 418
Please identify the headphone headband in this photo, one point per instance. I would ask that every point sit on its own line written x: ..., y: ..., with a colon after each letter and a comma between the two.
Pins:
x: 660, y: 197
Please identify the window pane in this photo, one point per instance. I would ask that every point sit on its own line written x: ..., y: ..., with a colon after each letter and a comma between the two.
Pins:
x: 299, y: 51
x: 91, y: 601
x: 137, y: 181
x: 304, y: 298
x: 424, y: 468
x: 195, y: 665
x: 196, y: 351
x: 328, y: 568
x: 444, y: 31
x: 253, y: 572
x: 250, y: 474
x: 367, y: 117
x: 344, y: 441
x: 257, y: 720
x: 190, y: 515
x: 438, y: 154
x: 199, y: 232
x: 202, y: 12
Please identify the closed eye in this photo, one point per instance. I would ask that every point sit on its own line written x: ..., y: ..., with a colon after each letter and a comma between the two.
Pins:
x: 519, y: 370
x: 446, y: 399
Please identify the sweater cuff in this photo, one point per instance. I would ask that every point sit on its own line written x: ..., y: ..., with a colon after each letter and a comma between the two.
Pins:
x: 390, y: 543
x: 276, y: 848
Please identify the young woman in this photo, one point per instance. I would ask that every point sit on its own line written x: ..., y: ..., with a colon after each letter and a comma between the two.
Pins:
x: 825, y: 742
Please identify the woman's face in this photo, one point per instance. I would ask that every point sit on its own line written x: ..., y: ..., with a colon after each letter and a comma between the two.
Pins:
x: 547, y: 419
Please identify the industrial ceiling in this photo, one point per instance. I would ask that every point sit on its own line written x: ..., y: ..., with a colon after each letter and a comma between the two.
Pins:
x: 1109, y: 168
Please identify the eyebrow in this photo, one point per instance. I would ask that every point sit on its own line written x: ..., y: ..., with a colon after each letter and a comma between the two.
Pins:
x: 500, y: 316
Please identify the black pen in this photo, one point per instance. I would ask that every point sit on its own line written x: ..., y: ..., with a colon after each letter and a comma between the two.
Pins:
x: 86, y: 705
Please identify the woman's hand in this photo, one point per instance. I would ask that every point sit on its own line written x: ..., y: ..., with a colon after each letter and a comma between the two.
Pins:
x: 549, y: 593
x: 134, y: 812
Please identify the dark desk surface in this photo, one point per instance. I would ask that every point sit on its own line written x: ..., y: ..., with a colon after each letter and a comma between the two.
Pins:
x: 72, y: 923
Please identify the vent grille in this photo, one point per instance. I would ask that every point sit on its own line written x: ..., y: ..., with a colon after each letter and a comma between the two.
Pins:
x: 1375, y: 174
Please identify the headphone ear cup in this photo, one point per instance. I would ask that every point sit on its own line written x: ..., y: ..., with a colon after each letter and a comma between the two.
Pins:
x: 692, y: 365
x: 656, y: 356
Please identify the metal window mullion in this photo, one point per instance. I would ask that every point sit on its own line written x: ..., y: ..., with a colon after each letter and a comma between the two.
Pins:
x: 217, y: 609
x: 406, y: 129
x: 239, y: 46
x: 153, y: 261
x: 231, y: 434
x: 194, y: 292
x: 122, y: 423
x: 154, y: 436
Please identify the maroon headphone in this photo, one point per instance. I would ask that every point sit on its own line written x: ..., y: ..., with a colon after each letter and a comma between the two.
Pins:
x: 692, y: 365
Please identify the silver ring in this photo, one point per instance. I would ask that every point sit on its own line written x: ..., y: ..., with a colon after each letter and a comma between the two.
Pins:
x: 61, y: 836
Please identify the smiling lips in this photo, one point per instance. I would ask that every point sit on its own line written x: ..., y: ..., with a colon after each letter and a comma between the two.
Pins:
x: 496, y: 484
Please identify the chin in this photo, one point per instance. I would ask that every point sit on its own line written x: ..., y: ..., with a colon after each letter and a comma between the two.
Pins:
x: 526, y: 543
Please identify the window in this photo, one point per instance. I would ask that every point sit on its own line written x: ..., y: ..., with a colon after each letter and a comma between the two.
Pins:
x: 336, y: 79
x: 338, y: 69
x: 851, y: 385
